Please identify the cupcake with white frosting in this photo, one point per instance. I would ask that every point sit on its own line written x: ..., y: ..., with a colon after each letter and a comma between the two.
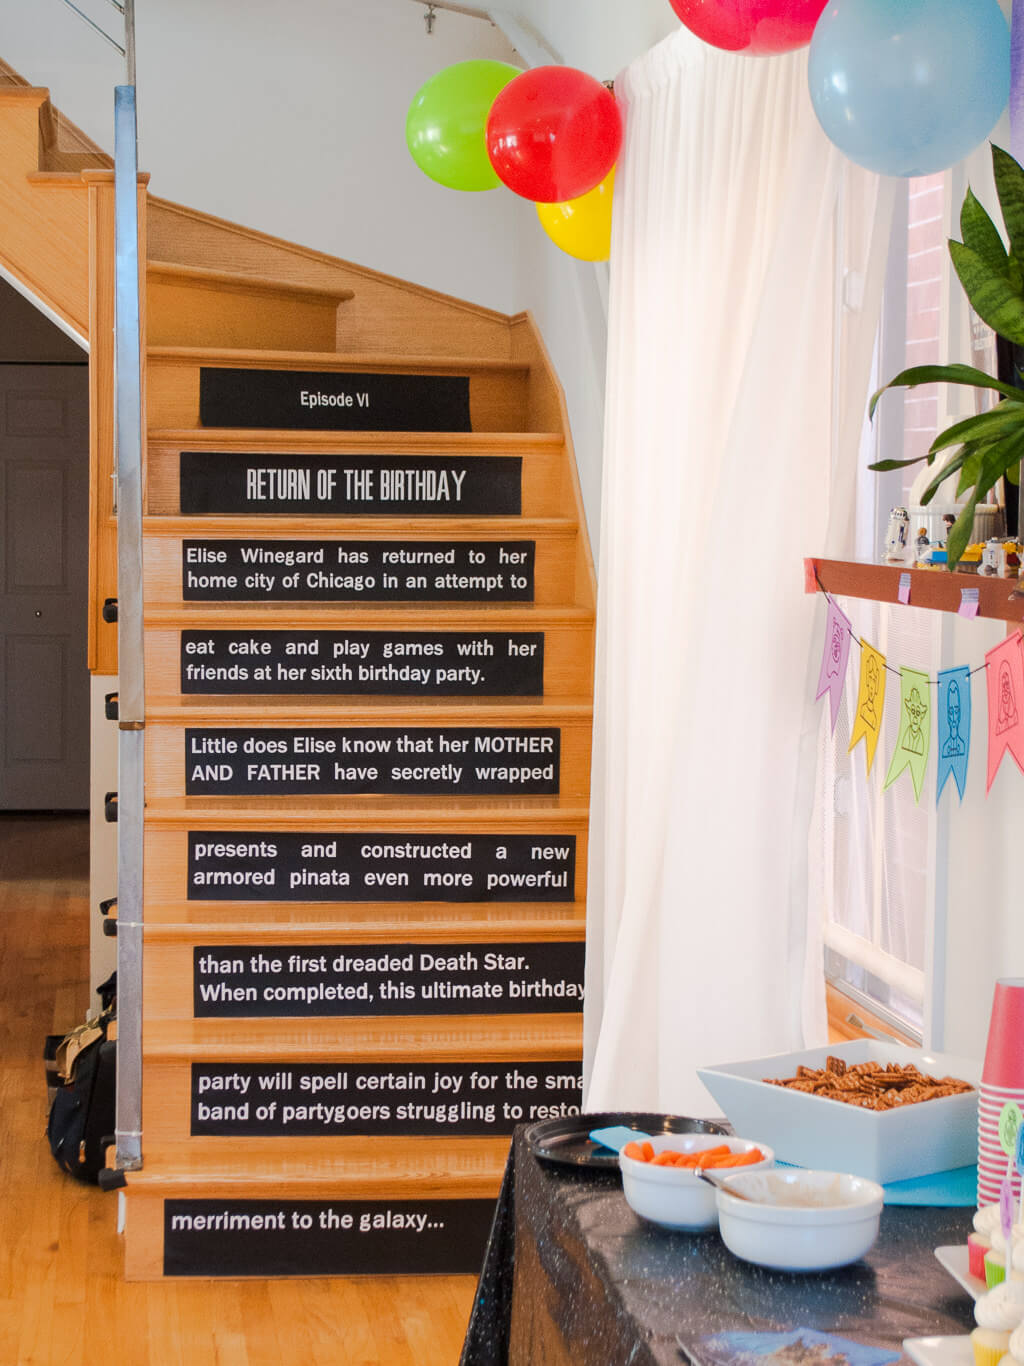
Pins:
x: 986, y: 1222
x: 997, y: 1314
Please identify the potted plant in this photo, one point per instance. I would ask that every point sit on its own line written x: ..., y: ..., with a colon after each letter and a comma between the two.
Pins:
x: 989, y: 446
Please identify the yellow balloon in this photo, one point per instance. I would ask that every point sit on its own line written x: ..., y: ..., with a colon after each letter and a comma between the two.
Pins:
x: 582, y: 227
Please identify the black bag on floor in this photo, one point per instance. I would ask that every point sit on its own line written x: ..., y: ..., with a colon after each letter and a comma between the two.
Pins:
x: 82, y: 1115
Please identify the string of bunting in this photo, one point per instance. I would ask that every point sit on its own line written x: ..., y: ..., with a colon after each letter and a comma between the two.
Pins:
x: 1004, y: 670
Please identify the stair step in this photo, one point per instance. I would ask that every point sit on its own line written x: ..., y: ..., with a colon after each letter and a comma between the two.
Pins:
x: 58, y: 180
x: 231, y: 922
x: 366, y: 1168
x: 484, y: 1038
x: 173, y: 271
x: 488, y: 711
x: 343, y: 813
x: 498, y: 389
x: 29, y: 95
x: 225, y: 309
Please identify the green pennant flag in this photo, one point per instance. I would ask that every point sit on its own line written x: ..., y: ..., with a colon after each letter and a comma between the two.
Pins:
x: 915, y: 730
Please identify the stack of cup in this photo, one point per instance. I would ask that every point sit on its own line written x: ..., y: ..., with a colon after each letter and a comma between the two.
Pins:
x: 1002, y: 1084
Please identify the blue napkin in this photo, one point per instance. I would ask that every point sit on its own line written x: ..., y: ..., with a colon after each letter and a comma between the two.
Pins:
x: 948, y: 1190
x: 617, y: 1136
x: 954, y: 1189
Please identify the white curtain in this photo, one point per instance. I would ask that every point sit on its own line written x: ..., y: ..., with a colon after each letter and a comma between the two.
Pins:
x: 737, y: 380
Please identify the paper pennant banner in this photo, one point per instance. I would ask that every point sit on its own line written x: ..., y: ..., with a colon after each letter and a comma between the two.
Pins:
x: 832, y: 676
x: 1005, y: 684
x: 867, y: 724
x: 915, y: 730
x: 953, y: 724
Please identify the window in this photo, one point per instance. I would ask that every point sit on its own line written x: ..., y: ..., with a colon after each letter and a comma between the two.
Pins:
x: 874, y: 850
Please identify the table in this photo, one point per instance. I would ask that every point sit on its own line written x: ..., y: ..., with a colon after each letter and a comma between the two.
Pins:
x: 573, y: 1276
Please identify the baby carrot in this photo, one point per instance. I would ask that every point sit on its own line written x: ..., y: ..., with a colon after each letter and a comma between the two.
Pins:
x: 742, y: 1159
x: 647, y: 1150
x: 634, y: 1151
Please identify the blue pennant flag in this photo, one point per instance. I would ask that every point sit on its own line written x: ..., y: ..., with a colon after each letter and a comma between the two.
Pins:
x: 953, y: 715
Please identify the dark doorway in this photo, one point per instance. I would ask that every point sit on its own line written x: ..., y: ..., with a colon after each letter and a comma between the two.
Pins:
x: 44, y: 563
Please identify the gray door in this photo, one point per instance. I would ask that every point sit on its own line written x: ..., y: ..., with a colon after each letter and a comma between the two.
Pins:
x: 44, y: 587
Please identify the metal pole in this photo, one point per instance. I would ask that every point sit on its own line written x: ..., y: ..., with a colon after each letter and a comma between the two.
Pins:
x: 131, y: 700
x: 129, y: 43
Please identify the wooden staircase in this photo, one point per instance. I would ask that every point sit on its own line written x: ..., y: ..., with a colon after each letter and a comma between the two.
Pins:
x: 368, y: 687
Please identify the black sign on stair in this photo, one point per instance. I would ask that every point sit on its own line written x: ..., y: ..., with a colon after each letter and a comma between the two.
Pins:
x: 404, y: 1098
x: 384, y: 866
x: 511, y: 978
x: 352, y: 571
x: 333, y: 401
x: 351, y: 485
x: 438, y: 664
x: 230, y: 1237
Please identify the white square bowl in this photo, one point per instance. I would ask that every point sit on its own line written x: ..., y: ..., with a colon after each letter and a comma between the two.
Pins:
x: 881, y: 1145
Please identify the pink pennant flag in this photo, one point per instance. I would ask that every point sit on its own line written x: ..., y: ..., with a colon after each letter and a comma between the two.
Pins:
x: 832, y: 674
x: 1005, y: 686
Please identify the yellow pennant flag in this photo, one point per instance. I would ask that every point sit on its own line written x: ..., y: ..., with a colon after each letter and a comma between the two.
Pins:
x: 867, y: 724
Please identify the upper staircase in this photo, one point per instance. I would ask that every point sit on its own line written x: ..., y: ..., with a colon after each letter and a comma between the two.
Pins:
x: 369, y: 642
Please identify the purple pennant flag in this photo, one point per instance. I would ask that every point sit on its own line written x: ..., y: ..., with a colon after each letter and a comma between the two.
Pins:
x: 1017, y: 80
x: 838, y: 634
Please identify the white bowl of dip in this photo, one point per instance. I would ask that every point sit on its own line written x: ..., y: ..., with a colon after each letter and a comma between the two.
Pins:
x: 798, y: 1220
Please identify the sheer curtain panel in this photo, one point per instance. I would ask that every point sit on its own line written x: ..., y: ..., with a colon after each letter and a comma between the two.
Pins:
x: 747, y: 268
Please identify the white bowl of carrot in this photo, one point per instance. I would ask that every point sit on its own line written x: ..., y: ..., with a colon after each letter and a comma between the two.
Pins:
x: 660, y: 1181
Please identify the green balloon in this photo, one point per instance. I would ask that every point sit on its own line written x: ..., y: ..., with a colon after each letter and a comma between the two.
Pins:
x: 447, y: 121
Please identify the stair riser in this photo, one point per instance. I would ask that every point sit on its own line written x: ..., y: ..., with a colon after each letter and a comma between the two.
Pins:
x: 420, y: 881
x: 498, y: 399
x: 170, y: 992
x: 498, y: 557
x: 199, y: 314
x: 177, y: 764
x: 567, y: 658
x: 543, y: 473
x: 241, y: 1104
x: 458, y: 1219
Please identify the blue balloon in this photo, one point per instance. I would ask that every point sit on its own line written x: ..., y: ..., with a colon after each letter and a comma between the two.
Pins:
x: 909, y: 87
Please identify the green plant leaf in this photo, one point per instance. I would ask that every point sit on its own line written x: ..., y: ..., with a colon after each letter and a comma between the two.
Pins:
x: 982, y: 235
x: 1000, y: 421
x: 944, y: 374
x: 949, y: 468
x: 970, y: 472
x: 995, y: 460
x: 1009, y: 178
x: 959, y: 537
x: 1012, y: 475
x: 992, y: 296
x: 884, y: 465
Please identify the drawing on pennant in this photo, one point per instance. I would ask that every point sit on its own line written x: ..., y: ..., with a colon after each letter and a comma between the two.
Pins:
x: 953, y: 747
x: 917, y: 712
x: 868, y: 713
x: 1007, y: 718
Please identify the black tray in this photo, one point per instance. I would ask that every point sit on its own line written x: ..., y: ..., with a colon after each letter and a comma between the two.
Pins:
x: 567, y: 1142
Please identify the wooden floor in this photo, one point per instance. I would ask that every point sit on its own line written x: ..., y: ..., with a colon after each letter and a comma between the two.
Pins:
x: 62, y: 1299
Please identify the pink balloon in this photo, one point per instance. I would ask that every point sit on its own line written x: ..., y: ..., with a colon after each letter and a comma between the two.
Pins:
x: 757, y: 27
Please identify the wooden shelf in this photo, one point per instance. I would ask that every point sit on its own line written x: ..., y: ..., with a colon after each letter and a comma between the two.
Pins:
x: 937, y: 589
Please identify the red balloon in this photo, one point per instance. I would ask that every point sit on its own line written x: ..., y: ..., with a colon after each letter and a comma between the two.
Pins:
x: 553, y: 133
x: 758, y: 27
